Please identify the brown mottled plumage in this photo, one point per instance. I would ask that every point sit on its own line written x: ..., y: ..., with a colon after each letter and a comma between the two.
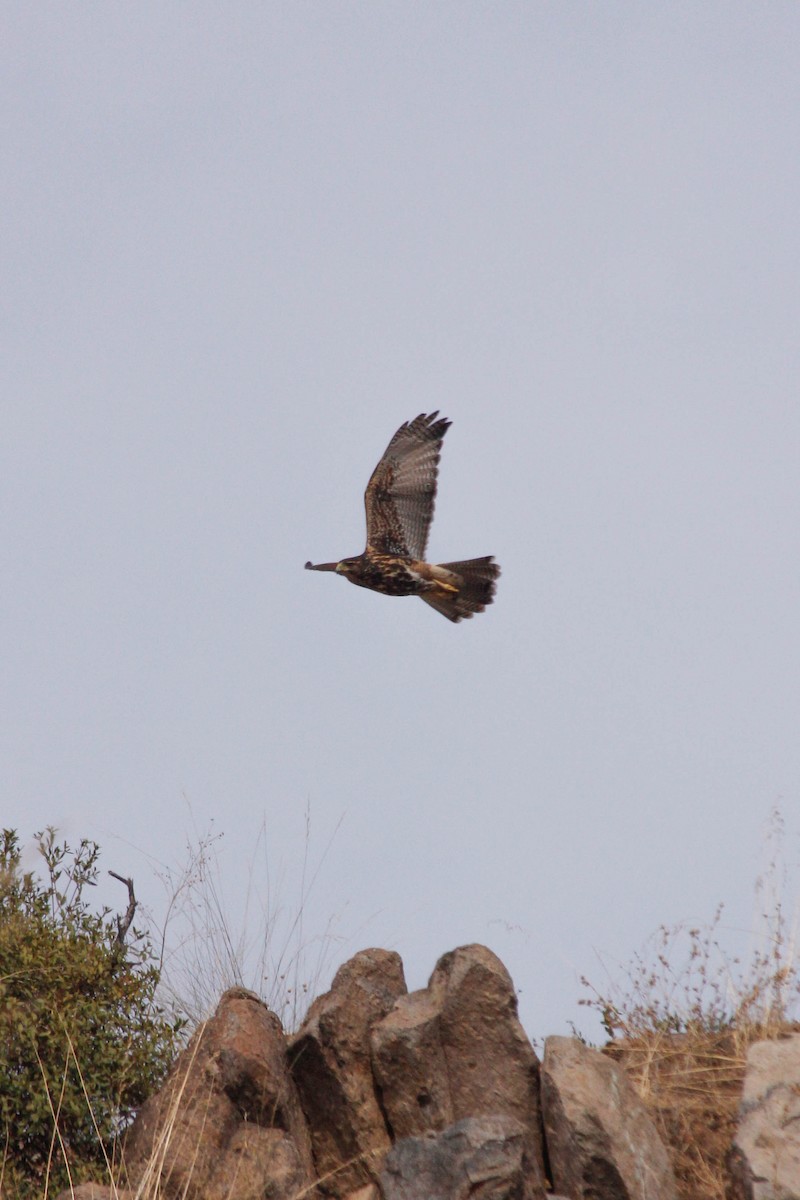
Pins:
x: 399, y: 501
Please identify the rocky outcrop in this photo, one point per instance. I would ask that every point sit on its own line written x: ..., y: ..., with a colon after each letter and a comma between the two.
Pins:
x: 601, y: 1142
x: 382, y: 1095
x: 331, y: 1065
x: 228, y: 1117
x: 765, y: 1158
x: 456, y: 1049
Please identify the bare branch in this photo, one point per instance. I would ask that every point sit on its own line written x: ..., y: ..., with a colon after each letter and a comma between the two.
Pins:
x: 124, y: 923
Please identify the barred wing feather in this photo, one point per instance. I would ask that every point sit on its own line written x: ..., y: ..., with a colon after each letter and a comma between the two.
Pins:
x: 401, y: 493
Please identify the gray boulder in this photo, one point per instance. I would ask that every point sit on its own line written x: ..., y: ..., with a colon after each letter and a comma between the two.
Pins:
x: 765, y: 1158
x: 601, y: 1142
x: 479, y: 1158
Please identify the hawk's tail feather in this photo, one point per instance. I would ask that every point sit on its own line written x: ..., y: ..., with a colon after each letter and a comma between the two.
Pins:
x: 474, y: 580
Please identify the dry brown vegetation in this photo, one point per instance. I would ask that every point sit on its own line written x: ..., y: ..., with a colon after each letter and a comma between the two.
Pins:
x: 691, y: 1083
x: 683, y: 1015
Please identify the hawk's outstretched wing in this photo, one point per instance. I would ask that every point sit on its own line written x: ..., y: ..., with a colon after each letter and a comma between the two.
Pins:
x: 400, y: 495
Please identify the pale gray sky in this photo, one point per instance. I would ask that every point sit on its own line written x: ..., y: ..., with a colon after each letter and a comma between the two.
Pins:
x: 241, y: 244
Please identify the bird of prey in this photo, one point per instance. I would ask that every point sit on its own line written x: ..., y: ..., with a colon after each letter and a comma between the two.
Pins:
x: 399, y: 500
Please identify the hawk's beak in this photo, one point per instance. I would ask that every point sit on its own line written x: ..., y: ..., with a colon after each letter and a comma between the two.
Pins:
x: 321, y: 566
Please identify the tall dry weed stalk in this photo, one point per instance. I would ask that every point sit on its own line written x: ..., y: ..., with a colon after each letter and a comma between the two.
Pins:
x: 206, y: 949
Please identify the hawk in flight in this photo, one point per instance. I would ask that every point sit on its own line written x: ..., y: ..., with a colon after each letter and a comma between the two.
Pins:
x: 399, y: 500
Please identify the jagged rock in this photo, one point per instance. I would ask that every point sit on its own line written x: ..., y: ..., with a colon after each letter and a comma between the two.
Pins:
x: 478, y: 1157
x: 765, y: 1158
x: 409, y: 1065
x: 330, y: 1062
x: 228, y: 1122
x: 601, y: 1142
x: 456, y: 1049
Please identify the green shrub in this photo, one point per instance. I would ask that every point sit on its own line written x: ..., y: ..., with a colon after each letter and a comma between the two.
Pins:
x: 82, y: 1040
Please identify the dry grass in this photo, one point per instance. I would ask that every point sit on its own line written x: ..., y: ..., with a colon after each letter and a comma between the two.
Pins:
x: 691, y: 1083
x: 242, y: 936
x: 206, y: 948
x: 682, y: 1015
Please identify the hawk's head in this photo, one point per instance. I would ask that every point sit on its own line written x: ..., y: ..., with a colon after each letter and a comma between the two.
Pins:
x: 346, y: 567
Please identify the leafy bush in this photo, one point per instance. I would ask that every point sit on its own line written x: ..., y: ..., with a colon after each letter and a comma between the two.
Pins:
x: 82, y: 1040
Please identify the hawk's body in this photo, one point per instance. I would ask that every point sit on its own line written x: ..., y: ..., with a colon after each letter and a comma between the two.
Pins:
x: 399, y: 501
